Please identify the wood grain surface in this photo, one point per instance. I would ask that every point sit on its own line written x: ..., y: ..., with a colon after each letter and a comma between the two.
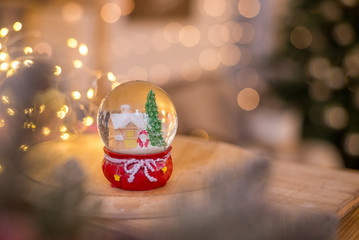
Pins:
x: 195, y: 161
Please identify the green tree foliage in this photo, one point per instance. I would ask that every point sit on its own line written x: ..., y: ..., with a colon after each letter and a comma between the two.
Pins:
x: 315, y: 71
x: 154, y: 126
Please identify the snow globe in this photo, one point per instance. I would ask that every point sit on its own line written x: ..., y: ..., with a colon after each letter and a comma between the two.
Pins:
x: 137, y: 122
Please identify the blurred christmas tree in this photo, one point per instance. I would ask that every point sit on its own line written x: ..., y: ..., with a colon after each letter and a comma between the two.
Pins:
x: 319, y: 71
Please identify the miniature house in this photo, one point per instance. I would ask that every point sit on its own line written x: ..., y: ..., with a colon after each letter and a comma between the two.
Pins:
x: 126, y: 126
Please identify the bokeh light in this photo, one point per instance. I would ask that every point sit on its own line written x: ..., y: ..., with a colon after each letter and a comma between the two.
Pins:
x: 352, y: 144
x: 110, y: 12
x: 28, y: 50
x: 72, y: 43
x: 336, y: 117
x: 171, y: 32
x: 301, y: 37
x: 248, y: 99
x: 76, y: 95
x: 4, y: 32
x: 83, y: 50
x: 126, y: 6
x: 318, y: 67
x: 17, y: 26
x: 72, y: 11
x: 249, y: 8
x: 214, y: 8
x: 230, y: 54
x: 248, y: 33
x: 344, y: 34
x: 189, y: 36
x: 209, y: 59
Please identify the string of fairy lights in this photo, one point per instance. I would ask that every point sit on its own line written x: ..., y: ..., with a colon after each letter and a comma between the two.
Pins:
x: 9, y: 65
x: 222, y: 43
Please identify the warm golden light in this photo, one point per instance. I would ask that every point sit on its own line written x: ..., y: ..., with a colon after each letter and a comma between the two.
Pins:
x: 301, y: 37
x: 3, y: 56
x: 248, y: 99
x: 352, y: 144
x: 28, y: 111
x: 57, y: 71
x: 110, y: 12
x: 209, y: 59
x: 17, y: 26
x: 72, y: 11
x: 45, y: 131
x: 2, y: 123
x: 83, y: 50
x: 29, y: 124
x: 63, y: 128
x: 24, y: 147
x: 10, y: 72
x: 249, y: 8
x: 28, y: 62
x: 28, y: 50
x: 4, y: 67
x: 5, y: 99
x: 72, y: 43
x: 114, y: 85
x: 4, y: 32
x: 65, y: 136
x: 42, y: 108
x: 76, y: 95
x: 189, y: 36
x: 62, y: 112
x: 10, y: 112
x: 87, y: 121
x: 90, y: 93
x: 111, y: 77
x: 15, y: 64
x: 77, y: 63
x: 0, y: 46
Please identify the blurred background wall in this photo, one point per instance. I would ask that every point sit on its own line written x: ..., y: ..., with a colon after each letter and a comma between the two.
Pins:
x: 241, y: 71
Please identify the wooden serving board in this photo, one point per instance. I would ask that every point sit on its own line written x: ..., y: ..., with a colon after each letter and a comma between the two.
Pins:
x: 195, y: 161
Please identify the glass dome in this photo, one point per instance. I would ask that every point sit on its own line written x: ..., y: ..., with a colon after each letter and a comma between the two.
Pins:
x: 137, y: 118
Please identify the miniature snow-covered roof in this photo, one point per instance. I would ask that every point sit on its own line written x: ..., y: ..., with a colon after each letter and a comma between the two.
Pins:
x: 121, y: 120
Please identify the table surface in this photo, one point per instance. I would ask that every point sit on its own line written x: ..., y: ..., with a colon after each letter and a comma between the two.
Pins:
x: 290, y: 184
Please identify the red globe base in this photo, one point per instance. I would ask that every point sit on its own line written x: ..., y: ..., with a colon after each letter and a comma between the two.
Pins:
x: 137, y: 172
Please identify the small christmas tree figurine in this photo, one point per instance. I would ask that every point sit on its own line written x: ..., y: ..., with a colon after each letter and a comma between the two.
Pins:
x: 154, y: 127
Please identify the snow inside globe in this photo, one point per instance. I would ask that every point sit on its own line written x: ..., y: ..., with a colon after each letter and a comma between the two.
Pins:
x: 137, y: 122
